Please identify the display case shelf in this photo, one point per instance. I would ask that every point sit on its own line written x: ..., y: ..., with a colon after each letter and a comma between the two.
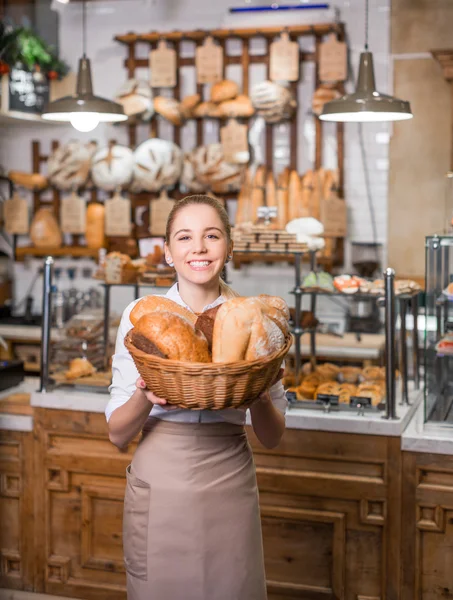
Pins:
x: 71, y: 251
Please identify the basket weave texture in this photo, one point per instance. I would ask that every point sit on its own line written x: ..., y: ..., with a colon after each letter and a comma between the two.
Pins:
x: 207, y: 385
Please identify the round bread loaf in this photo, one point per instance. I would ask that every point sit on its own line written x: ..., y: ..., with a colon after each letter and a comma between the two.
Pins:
x: 188, y: 104
x: 136, y: 98
x: 112, y: 167
x: 224, y: 90
x: 205, y: 324
x: 68, y: 166
x: 158, y: 164
x: 173, y: 336
x: 272, y: 101
x: 211, y: 170
x: 151, y: 304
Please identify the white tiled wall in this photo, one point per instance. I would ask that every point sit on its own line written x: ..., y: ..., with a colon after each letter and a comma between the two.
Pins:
x: 105, y: 19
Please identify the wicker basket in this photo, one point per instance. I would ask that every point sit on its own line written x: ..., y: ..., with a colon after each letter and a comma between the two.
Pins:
x: 207, y: 385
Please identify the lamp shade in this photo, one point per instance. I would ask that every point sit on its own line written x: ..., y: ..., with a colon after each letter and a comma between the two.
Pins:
x: 366, y: 103
x: 84, y: 105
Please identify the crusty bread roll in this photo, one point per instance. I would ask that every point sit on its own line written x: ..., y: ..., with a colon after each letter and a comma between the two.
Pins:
x: 169, y: 109
x: 239, y: 107
x: 206, y: 109
x: 258, y: 329
x: 224, y: 90
x: 205, y: 324
x: 173, y: 336
x: 151, y: 304
x: 95, y: 225
x: 187, y: 105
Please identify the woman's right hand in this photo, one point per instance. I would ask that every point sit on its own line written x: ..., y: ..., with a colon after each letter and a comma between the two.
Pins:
x: 141, y: 385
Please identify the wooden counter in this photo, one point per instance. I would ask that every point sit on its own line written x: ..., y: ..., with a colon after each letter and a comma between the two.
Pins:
x: 346, y: 516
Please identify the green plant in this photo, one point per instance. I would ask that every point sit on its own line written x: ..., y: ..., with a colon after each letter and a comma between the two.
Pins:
x: 23, y: 46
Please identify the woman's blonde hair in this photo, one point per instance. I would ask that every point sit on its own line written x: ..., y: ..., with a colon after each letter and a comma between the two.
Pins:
x: 225, y: 289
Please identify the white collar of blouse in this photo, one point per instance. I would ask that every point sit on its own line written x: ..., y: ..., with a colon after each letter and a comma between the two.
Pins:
x: 173, y: 294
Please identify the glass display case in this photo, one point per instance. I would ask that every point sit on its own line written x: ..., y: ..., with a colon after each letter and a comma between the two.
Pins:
x: 439, y: 329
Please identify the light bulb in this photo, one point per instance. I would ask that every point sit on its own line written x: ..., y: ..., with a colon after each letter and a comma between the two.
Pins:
x: 85, y: 121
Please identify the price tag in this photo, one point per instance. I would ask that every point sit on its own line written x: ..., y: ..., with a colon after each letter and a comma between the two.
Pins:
x: 162, y: 64
x: 73, y: 214
x: 333, y: 60
x: 334, y: 216
x: 15, y: 213
x: 234, y: 142
x: 209, y: 62
x: 118, y: 216
x: 284, y: 59
x: 113, y: 269
x: 159, y: 210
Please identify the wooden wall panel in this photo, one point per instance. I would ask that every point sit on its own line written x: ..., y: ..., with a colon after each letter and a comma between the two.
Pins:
x: 428, y: 527
x: 16, y: 511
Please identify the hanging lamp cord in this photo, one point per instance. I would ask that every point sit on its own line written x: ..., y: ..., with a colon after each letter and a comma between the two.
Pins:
x: 366, y: 25
x: 84, y: 26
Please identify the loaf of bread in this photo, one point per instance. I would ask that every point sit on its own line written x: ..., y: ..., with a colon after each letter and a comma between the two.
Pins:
x: 239, y: 107
x: 158, y: 304
x: 168, y: 108
x: 224, y: 90
x: 205, y: 324
x: 188, y: 104
x: 171, y: 336
x: 248, y: 329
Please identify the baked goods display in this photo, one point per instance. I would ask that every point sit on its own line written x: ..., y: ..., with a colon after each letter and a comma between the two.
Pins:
x: 68, y: 166
x: 191, y: 359
x: 79, y: 367
x: 169, y: 108
x: 119, y: 268
x: 342, y: 383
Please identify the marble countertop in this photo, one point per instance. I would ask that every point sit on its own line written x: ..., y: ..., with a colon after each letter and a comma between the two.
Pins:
x: 427, y: 437
x: 18, y: 422
x: 296, y: 418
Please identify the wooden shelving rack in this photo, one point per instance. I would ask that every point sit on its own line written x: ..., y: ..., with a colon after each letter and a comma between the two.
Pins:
x: 132, y: 41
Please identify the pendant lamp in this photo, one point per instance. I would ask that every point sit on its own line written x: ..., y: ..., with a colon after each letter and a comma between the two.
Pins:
x: 366, y: 104
x: 84, y: 110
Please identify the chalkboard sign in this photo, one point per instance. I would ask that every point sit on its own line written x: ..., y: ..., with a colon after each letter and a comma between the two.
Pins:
x: 28, y: 92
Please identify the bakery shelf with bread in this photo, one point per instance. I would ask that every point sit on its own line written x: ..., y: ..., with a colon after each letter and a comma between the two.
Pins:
x: 225, y: 357
x: 245, y: 99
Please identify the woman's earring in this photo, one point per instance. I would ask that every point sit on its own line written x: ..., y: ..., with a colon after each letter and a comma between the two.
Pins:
x: 170, y: 264
x: 229, y: 257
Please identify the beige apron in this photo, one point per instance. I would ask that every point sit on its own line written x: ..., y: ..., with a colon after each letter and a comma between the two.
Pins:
x: 191, y: 528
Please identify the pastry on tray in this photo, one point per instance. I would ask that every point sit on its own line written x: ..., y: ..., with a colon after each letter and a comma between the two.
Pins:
x: 346, y: 284
x: 79, y: 367
x: 329, y: 388
x: 350, y: 374
x: 373, y: 391
x: 328, y: 371
x: 309, y: 386
x: 346, y: 390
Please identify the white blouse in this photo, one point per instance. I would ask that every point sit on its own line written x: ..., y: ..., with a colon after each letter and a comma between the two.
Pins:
x: 125, y: 374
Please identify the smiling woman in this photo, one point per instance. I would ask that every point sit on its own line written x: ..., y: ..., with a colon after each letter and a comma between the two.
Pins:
x: 198, y: 243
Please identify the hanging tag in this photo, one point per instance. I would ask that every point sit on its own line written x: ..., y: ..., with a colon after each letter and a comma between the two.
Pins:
x: 162, y: 64
x: 15, y: 214
x: 284, y: 59
x: 73, y: 214
x: 334, y: 216
x: 234, y: 142
x: 159, y: 210
x: 333, y: 60
x: 113, y: 269
x: 118, y: 216
x: 209, y: 62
